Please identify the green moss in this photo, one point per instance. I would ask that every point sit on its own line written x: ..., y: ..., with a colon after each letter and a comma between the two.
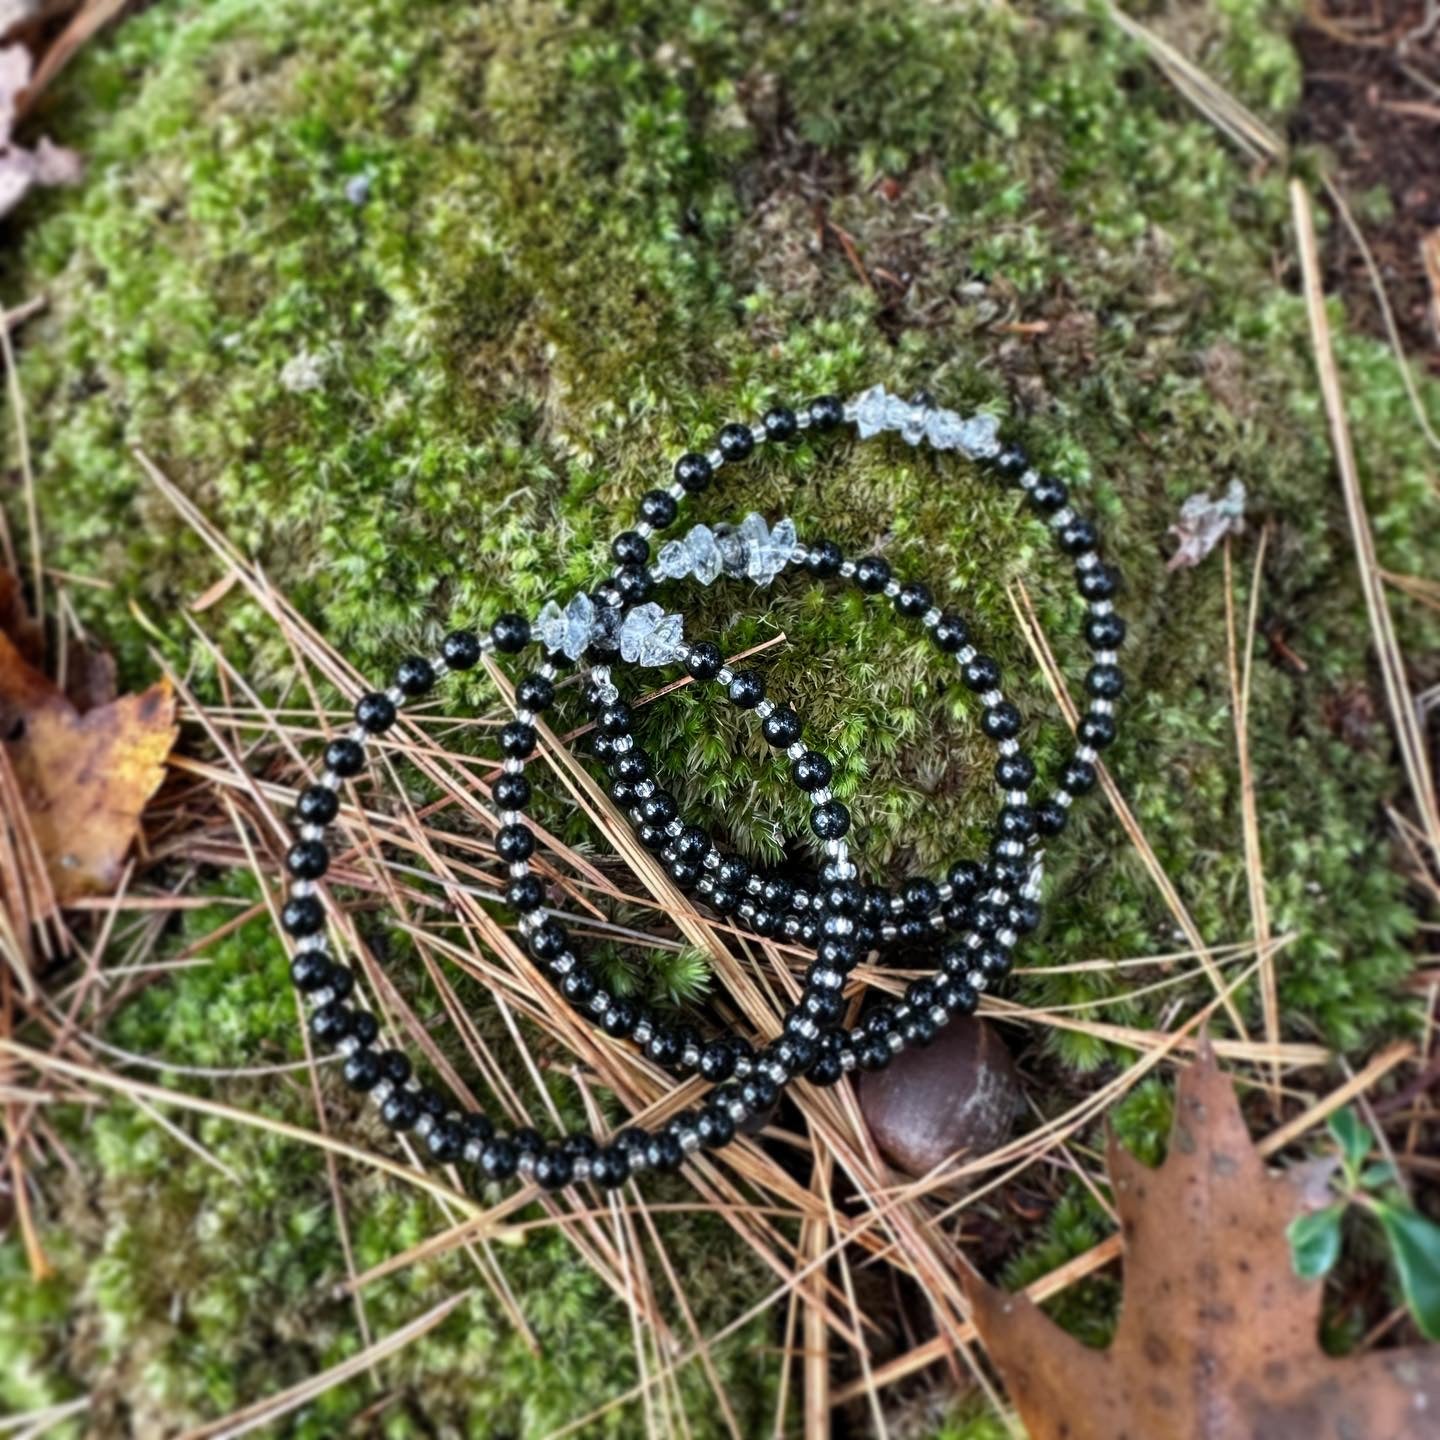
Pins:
x: 590, y: 237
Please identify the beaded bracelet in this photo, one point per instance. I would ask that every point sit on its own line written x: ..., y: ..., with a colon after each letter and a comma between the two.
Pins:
x: 988, y: 905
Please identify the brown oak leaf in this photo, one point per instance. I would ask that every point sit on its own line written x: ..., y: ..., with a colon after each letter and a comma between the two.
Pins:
x: 1217, y: 1334
x: 83, y: 778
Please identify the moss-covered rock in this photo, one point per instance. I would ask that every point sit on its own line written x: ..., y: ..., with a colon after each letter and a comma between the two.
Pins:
x: 415, y: 299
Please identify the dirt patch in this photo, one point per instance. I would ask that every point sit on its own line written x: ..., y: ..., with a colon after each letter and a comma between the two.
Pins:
x: 1372, y: 98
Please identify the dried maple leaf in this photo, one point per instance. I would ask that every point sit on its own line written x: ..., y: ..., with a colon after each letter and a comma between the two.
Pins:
x: 1217, y: 1335
x: 83, y: 779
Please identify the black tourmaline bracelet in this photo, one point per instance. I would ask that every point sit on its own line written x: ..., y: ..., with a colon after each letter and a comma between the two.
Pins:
x: 983, y: 905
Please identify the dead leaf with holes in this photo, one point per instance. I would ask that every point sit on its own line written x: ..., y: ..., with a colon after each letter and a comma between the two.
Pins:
x: 82, y: 778
x: 1217, y: 1338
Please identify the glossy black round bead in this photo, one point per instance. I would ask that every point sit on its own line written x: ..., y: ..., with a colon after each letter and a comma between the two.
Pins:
x: 499, y: 1159
x: 825, y: 411
x: 535, y: 692
x: 843, y: 897
x: 1010, y: 464
x: 747, y: 689
x: 759, y: 1092
x: 1077, y: 536
x: 918, y: 1030
x: 777, y: 892
x: 629, y: 547
x: 993, y: 961
x: 1099, y: 582
x: 460, y: 649
x: 1001, y: 722
x: 912, y: 930
x: 987, y: 916
x: 1105, y: 682
x: 1023, y: 915
x: 694, y: 472
x: 704, y: 660
x: 811, y: 771
x: 601, y: 746
x: 692, y: 844
x: 578, y: 985
x: 735, y: 442
x: 514, y: 842
x: 554, y: 1169
x: 781, y: 727
x: 375, y: 712
x: 920, y: 896
x: 1015, y: 822
x: 634, y: 583
x: 715, y: 1126
x: 913, y: 600
x: 307, y: 859
x: 330, y: 1024
x: 303, y: 915
x: 830, y: 821
x: 620, y: 1018
x: 872, y: 574
x: 765, y: 922
x: 717, y: 1061
x: 1078, y: 777
x: 658, y: 508
x: 880, y: 1021
x: 610, y: 1169
x: 395, y: 1066
x: 723, y: 900
x: 400, y: 1110
x: 616, y: 719
x: 873, y: 1054
x: 666, y: 1046
x: 1104, y: 632
x: 445, y: 1141
x: 652, y: 837
x: 525, y: 893
x: 1048, y: 494
x: 823, y: 559
x: 780, y: 423
x: 664, y: 1153
x: 578, y: 1146
x: 822, y: 1006
x: 1050, y: 817
x: 317, y: 805
x: 310, y: 970
x: 511, y: 792
x: 733, y: 872
x: 548, y: 939
x: 1015, y: 772
x: 361, y: 1070
x: 510, y: 633
x: 346, y: 757
x: 920, y: 994
x: 950, y: 633
x: 659, y: 808
x: 827, y: 1070
x: 528, y: 1140
x: 632, y: 766
x: 1096, y: 730
x: 518, y: 739
x: 980, y: 673
x: 477, y: 1126
x: 958, y: 997
x: 795, y: 1053
x: 965, y: 878
x: 415, y: 675
x: 839, y: 952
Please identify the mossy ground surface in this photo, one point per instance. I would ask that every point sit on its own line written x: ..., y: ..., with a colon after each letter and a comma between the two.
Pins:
x: 588, y: 237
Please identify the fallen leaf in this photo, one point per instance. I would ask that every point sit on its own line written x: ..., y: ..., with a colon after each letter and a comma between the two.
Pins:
x: 1217, y: 1335
x: 1204, y: 523
x: 20, y: 169
x: 83, y: 778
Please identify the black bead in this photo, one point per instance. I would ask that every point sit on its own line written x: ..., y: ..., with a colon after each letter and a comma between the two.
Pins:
x: 576, y: 1146
x: 694, y: 472
x: 616, y: 719
x: 665, y: 1046
x: 634, y: 583
x: 415, y: 675
x: 514, y: 842
x: 765, y: 922
x: 1078, y: 536
x: 704, y: 660
x: 823, y: 559
x: 959, y: 998
x: 1001, y: 722
x: 548, y: 940
x: 659, y: 808
x: 1015, y: 822
x: 554, y: 1169
x: 827, y: 1070
x: 759, y: 1092
x: 317, y: 805
x: 826, y: 412
x: 717, y: 1061
x: 733, y: 872
x: 1099, y: 582
x: 499, y: 1160
x: 578, y: 985
x: 620, y: 1018
x: 843, y: 897
x: 310, y: 970
x: 395, y: 1066
x: 950, y: 632
x: 633, y: 766
x: 510, y: 633
x: 511, y: 792
x: 980, y: 673
x: 610, y: 1169
x: 795, y: 1053
x: 781, y: 727
x: 664, y: 1153
x: 477, y: 1126
x: 777, y: 892
x: 913, y: 600
x: 1050, y: 817
x: 1105, y: 682
x: 872, y: 574
x: 460, y: 649
x: 880, y: 1021
x: 913, y: 929
x: 652, y: 837
x: 307, y: 860
x: 872, y: 1054
x: 444, y: 1141
x: 822, y: 1006
x: 535, y: 692
x: 918, y: 1030
x: 811, y: 771
x: 361, y: 1070
x: 304, y: 915
x: 1024, y: 916
x: 920, y: 896
x: 602, y: 747
x: 830, y: 821
x: 839, y: 952
x: 987, y: 917
x: 747, y: 689
x: 346, y: 757
x: 692, y: 844
x: 1014, y: 772
x: 920, y: 994
x: 330, y: 1024
x: 965, y: 878
x: 400, y: 1110
x: 525, y: 893
x: 375, y: 712
x: 1097, y: 730
x: 780, y: 424
x: 1104, y: 632
x: 630, y: 548
x: 432, y: 1102
x: 528, y: 1140
x: 993, y: 960
x: 715, y: 1126
x: 735, y: 442
x: 658, y: 508
x: 518, y: 739
x: 1048, y: 494
x: 877, y: 902
x: 1010, y: 464
x: 1078, y: 777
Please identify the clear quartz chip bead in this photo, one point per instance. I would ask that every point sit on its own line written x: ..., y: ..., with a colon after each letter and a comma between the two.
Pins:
x: 980, y: 437
x: 869, y: 411
x: 649, y: 636
x: 705, y: 559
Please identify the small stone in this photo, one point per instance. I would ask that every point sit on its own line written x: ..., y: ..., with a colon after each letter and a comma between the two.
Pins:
x: 960, y: 1094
